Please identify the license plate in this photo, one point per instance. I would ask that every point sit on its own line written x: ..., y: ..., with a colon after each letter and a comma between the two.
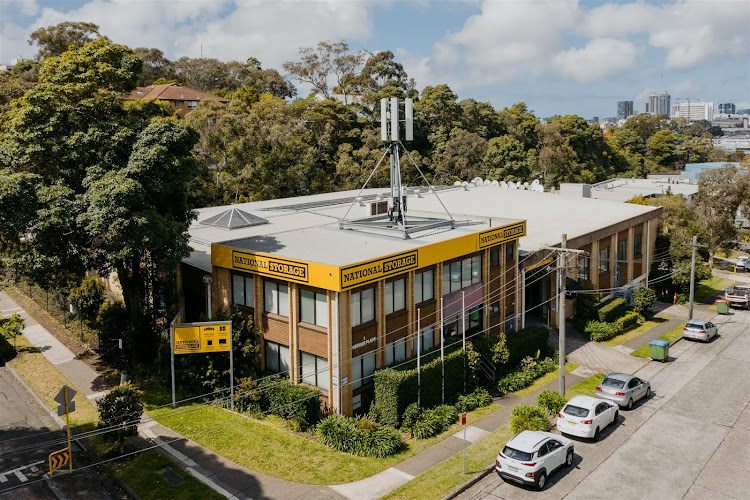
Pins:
x: 572, y: 423
x: 512, y: 469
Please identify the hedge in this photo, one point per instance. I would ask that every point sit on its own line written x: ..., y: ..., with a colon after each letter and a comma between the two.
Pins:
x: 527, y: 342
x: 600, y: 331
x: 629, y: 319
x: 551, y: 402
x: 525, y: 375
x: 297, y: 403
x: 359, y: 436
x: 395, y: 389
x: 528, y: 418
x: 477, y: 399
x: 612, y: 309
x: 422, y: 424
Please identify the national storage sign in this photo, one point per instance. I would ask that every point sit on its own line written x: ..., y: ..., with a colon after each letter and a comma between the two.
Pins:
x: 336, y: 278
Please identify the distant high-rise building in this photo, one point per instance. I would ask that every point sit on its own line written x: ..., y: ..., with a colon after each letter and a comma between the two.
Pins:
x: 624, y: 109
x: 727, y: 108
x: 694, y: 110
x: 659, y: 104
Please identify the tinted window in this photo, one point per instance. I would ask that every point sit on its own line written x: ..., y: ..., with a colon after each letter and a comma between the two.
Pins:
x: 543, y: 450
x: 633, y: 383
x: 695, y: 326
x: 553, y: 445
x: 613, y: 382
x: 516, y: 454
x: 575, y: 411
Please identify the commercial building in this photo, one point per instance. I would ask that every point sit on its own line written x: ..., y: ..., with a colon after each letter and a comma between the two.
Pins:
x: 727, y: 108
x: 335, y: 304
x: 659, y: 104
x: 694, y: 111
x: 624, y: 109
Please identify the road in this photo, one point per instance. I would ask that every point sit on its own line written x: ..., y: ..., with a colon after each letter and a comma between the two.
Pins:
x: 689, y: 441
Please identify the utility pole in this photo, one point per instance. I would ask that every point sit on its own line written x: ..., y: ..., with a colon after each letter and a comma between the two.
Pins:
x: 692, y: 277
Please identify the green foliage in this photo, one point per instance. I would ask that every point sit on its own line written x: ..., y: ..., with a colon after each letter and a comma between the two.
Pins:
x: 358, y: 436
x: 528, y: 418
x: 53, y: 41
x: 121, y: 410
x: 529, y: 341
x: 612, y: 309
x: 247, y: 396
x: 645, y: 299
x: 396, y: 389
x: 297, y: 403
x: 423, y: 424
x: 112, y: 319
x: 12, y: 327
x: 600, y: 331
x: 477, y: 399
x: 88, y: 297
x: 551, y: 402
x: 525, y: 375
x: 629, y: 319
x: 586, y: 303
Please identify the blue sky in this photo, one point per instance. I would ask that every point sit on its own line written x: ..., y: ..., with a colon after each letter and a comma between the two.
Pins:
x: 558, y: 56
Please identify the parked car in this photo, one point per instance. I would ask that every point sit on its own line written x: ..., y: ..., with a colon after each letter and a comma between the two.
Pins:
x: 530, y: 456
x: 700, y: 329
x: 742, y: 262
x: 738, y: 296
x: 623, y: 389
x: 585, y: 416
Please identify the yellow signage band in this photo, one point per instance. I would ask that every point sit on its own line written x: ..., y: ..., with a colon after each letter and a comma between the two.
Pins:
x: 210, y: 336
x: 374, y: 270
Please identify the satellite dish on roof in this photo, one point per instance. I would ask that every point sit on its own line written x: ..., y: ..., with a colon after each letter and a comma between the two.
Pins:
x: 535, y: 182
x: 457, y: 183
x: 487, y: 182
x: 503, y: 184
x: 464, y: 183
x: 495, y: 183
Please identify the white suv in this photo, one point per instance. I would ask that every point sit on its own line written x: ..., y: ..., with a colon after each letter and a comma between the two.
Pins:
x: 532, y: 455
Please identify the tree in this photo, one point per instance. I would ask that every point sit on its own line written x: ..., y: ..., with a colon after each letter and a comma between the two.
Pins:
x: 119, y: 412
x: 54, y: 40
x: 521, y: 123
x: 155, y: 66
x: 328, y: 61
x: 459, y: 157
x: 506, y: 160
x: 644, y: 299
x: 381, y: 70
x: 12, y: 327
x: 88, y: 297
x: 716, y: 204
x: 480, y: 118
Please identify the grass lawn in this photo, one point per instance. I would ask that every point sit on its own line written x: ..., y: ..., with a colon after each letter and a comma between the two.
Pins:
x: 141, y: 472
x: 447, y: 476
x: 706, y: 288
x: 635, y: 332
x: 266, y: 446
x: 671, y: 335
x: 545, y: 379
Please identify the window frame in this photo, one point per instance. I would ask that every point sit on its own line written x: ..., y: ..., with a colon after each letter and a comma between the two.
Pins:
x: 359, y: 301
x: 390, y: 349
x: 604, y: 265
x: 456, y: 268
x: 279, y: 308
x: 494, y: 308
x: 279, y: 358
x: 390, y: 302
x: 587, y: 266
x: 510, y: 251
x: 362, y: 379
x: 245, y: 278
x: 316, y: 319
x: 638, y: 245
x: 494, y: 256
x: 319, y: 372
x: 624, y: 250
x: 419, y: 284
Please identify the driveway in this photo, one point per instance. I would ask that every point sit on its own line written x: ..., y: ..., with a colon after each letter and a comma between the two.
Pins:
x: 688, y: 441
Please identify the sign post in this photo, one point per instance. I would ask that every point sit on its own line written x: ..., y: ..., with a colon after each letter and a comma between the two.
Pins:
x: 463, y: 422
x: 61, y: 457
x: 203, y: 337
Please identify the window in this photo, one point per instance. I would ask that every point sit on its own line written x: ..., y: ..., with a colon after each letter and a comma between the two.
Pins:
x: 622, y: 251
x: 362, y: 369
x: 584, y: 266
x: 427, y: 337
x: 363, y: 306
x: 277, y: 357
x: 424, y: 288
x: 510, y: 322
x: 637, y: 244
x: 461, y: 274
x: 243, y: 290
x: 395, y: 351
x: 192, y: 104
x: 395, y: 298
x: 313, y: 308
x: 276, y: 298
x: 313, y: 370
x: 494, y: 257
x: 603, y: 260
x: 510, y: 252
x: 494, y: 308
x: 177, y: 104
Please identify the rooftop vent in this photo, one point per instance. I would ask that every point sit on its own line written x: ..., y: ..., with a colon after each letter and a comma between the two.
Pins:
x: 234, y: 218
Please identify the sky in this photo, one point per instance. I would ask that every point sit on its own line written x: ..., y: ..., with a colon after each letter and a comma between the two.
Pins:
x: 557, y: 56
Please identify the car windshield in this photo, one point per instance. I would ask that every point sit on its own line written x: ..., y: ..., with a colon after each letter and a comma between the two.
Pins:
x: 694, y: 326
x: 613, y: 382
x: 575, y: 411
x: 516, y: 454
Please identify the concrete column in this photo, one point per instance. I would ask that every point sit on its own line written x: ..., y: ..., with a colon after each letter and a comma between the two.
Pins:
x: 411, y: 313
x: 613, y: 258
x: 294, y: 365
x: 517, y: 287
x: 503, y: 291
x: 380, y: 318
x: 631, y: 253
x: 333, y: 351
x: 594, y: 263
x: 345, y: 338
x: 258, y: 310
x: 486, y: 287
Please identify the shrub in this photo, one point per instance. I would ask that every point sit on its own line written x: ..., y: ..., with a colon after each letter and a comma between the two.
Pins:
x: 121, y: 410
x: 551, y: 402
x: 87, y: 297
x: 644, y: 299
x: 477, y: 399
x: 297, y: 403
x: 528, y: 418
x: 527, y: 342
x: 358, y: 436
x: 630, y: 319
x: 612, y: 309
x: 525, y: 375
x: 586, y: 303
x: 422, y: 424
x: 12, y: 327
x: 682, y: 298
x: 600, y: 331
x: 247, y: 396
x: 112, y: 319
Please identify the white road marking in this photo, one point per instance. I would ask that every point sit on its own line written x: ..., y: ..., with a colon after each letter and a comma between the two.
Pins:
x: 3, y: 479
x: 20, y: 476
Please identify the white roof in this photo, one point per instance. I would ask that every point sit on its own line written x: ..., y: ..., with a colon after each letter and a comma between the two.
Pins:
x: 621, y: 190
x: 584, y: 401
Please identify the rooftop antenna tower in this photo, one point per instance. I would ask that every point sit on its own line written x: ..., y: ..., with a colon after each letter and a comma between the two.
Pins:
x: 395, y: 221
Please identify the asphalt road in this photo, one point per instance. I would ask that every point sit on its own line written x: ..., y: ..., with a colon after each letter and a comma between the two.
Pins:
x: 689, y: 441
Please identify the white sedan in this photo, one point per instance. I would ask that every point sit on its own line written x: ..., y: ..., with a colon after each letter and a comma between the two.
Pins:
x: 585, y: 417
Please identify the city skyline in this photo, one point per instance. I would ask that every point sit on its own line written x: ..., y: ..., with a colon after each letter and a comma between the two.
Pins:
x: 560, y: 58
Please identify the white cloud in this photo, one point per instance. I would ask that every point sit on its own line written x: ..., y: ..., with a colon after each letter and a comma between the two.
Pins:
x: 26, y: 7
x: 599, y: 59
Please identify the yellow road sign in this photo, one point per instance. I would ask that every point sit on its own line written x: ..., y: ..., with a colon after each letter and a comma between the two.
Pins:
x: 59, y: 458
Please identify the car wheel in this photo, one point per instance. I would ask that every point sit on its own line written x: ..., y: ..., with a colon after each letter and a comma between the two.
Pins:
x: 630, y: 404
x: 541, y: 480
x: 648, y: 392
x: 596, y: 434
x: 617, y: 414
x: 569, y: 459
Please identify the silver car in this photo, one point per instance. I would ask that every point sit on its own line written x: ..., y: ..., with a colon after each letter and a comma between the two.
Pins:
x: 700, y: 329
x: 623, y: 389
